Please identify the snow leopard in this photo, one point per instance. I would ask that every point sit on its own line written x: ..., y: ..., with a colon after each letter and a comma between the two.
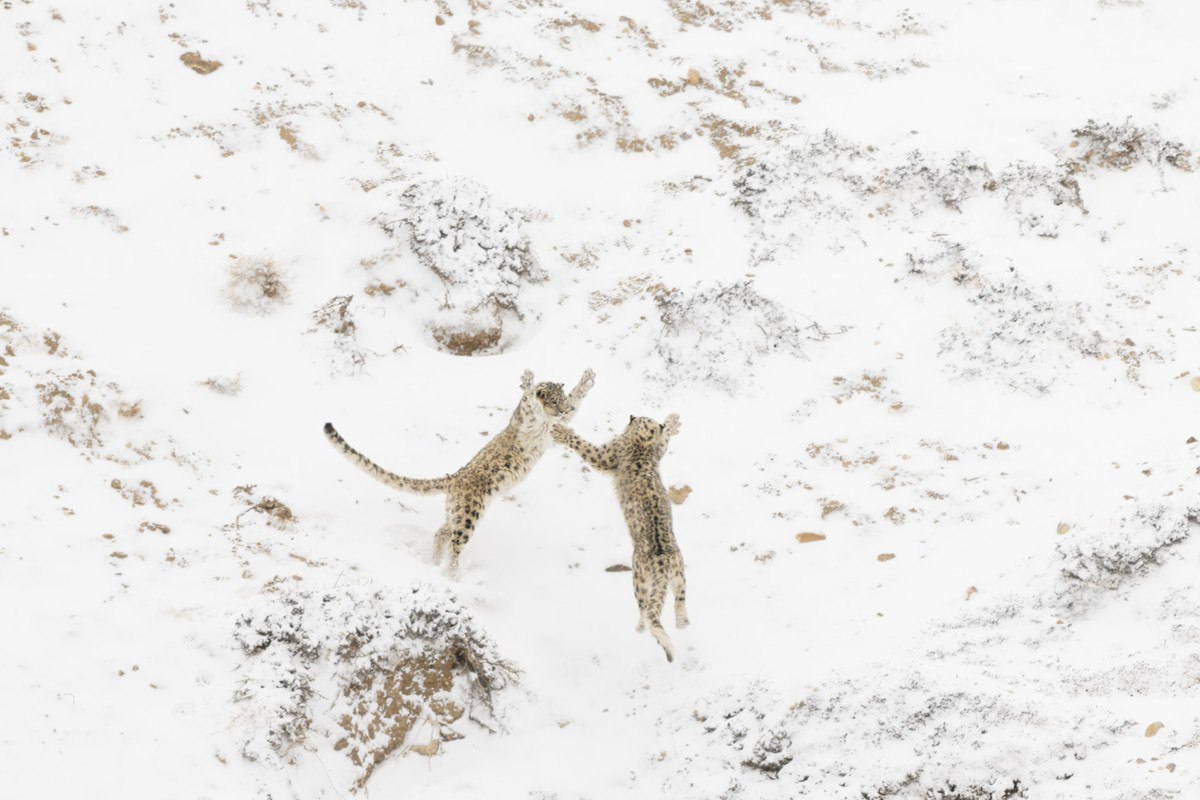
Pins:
x: 501, y: 464
x: 632, y: 459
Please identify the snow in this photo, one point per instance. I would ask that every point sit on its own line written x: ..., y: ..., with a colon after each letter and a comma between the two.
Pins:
x: 919, y: 279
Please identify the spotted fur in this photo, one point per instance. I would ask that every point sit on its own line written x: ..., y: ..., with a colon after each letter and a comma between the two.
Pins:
x: 632, y: 458
x: 501, y: 464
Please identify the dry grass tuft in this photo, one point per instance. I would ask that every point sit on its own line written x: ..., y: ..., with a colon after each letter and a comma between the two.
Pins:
x: 257, y: 285
x: 228, y: 386
x: 277, y: 513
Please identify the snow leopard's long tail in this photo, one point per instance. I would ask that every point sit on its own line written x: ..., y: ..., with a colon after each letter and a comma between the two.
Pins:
x: 417, y: 485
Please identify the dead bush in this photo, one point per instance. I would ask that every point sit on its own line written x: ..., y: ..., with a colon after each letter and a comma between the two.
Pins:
x: 257, y: 285
x: 395, y: 671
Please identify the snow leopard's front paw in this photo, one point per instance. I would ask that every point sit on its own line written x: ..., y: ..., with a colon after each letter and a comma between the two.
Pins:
x: 671, y: 425
x: 527, y: 380
x: 560, y: 434
x: 587, y: 381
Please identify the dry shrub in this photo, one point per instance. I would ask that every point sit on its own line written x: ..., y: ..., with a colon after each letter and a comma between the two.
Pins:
x: 257, y: 285
x: 467, y: 340
x: 227, y: 386
x: 276, y: 513
x: 402, y: 668
x: 74, y: 405
x: 718, y: 335
x: 335, y: 317
x: 1121, y: 146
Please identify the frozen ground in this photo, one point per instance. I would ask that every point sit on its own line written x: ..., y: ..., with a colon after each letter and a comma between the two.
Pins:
x: 920, y: 279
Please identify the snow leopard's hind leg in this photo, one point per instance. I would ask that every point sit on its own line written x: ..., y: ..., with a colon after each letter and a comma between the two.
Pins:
x: 463, y: 515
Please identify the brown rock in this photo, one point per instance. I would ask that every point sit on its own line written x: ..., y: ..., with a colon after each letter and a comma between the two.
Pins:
x: 885, y: 556
x: 1153, y: 728
x: 1063, y: 528
x: 201, y: 66
x: 805, y: 538
x: 618, y: 568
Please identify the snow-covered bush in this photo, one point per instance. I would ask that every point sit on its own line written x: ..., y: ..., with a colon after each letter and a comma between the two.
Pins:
x: 920, y: 181
x: 481, y: 252
x: 1121, y: 146
x: 797, y: 185
x: 1023, y: 334
x: 256, y: 285
x: 477, y: 246
x: 888, y: 735
x: 717, y: 335
x: 1041, y: 198
x: 1109, y: 552
x: 394, y: 670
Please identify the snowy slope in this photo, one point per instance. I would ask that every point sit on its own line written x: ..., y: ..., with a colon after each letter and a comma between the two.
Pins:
x: 920, y: 279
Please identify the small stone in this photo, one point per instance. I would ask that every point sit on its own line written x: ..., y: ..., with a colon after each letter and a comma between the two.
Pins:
x: 693, y: 78
x: 1153, y: 728
x: 970, y: 591
x: 1063, y: 528
x: 885, y: 556
x: 439, y: 21
x: 805, y: 538
x: 618, y: 568
x: 1196, y: 384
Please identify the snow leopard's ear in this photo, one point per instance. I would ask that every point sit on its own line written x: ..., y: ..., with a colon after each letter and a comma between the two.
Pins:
x: 631, y: 417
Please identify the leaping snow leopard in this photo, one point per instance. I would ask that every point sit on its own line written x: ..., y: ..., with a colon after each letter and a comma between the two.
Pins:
x: 501, y: 464
x: 632, y: 458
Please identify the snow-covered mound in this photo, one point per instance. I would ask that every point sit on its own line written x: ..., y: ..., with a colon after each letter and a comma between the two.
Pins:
x: 364, y: 672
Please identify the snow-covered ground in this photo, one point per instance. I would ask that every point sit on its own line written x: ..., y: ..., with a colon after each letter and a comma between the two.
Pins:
x: 921, y: 280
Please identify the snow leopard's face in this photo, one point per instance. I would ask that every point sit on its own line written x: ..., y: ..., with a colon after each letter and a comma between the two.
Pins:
x: 644, y: 430
x: 552, y: 398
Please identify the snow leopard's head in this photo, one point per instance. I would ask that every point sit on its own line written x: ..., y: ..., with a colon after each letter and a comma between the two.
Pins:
x: 644, y: 430
x: 552, y: 398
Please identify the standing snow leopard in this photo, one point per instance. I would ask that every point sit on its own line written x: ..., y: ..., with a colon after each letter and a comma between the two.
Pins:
x: 501, y: 464
x: 633, y: 459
